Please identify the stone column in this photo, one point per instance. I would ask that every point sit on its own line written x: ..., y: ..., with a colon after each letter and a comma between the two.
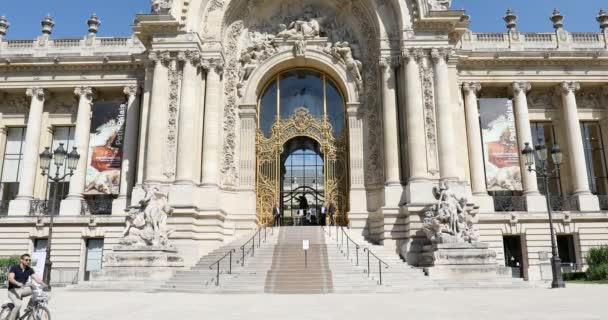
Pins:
x: 31, y: 148
x: 212, y: 125
x: 247, y: 168
x: 419, y: 186
x: 3, y: 133
x: 357, y: 195
x: 73, y: 203
x: 534, y: 201
x: 575, y: 152
x: 445, y: 126
x: 476, y: 160
x: 248, y: 117
x: 187, y: 119
x: 182, y: 192
x: 129, y: 150
x: 157, y: 124
x: 393, y: 189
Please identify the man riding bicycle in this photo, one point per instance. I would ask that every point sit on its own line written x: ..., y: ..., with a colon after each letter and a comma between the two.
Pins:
x: 18, y: 275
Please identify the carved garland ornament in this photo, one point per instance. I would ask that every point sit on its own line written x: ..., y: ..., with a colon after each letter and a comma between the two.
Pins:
x: 426, y: 77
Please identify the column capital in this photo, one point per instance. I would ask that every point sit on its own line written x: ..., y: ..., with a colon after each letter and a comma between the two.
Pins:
x: 86, y: 92
x: 36, y: 92
x: 407, y: 54
x: 388, y: 62
x: 163, y: 57
x: 521, y: 87
x: 353, y: 109
x: 439, y: 54
x: 471, y: 87
x: 213, y: 64
x: 567, y: 87
x: 248, y: 110
x: 131, y: 91
x: 190, y: 56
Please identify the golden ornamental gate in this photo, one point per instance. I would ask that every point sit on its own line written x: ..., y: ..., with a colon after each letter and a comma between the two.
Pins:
x: 268, y: 151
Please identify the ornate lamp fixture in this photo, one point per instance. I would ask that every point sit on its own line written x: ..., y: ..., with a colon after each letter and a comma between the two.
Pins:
x: 540, y: 151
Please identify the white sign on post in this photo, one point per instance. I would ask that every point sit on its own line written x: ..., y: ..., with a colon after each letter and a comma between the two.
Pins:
x: 305, y: 244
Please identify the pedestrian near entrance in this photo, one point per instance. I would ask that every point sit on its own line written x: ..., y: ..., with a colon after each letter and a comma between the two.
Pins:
x: 331, y: 210
x: 276, y: 214
x: 18, y: 275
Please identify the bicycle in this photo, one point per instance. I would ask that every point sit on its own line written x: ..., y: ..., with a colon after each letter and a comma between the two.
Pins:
x: 36, y: 309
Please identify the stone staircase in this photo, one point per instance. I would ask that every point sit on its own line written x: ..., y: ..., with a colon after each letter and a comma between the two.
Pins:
x: 280, y: 266
x: 276, y: 263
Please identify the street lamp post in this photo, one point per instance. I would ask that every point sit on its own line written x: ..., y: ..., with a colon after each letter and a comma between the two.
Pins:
x: 58, y: 156
x: 541, y: 170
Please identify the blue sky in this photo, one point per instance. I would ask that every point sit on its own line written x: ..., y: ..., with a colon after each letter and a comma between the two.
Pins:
x: 117, y: 15
x: 533, y: 15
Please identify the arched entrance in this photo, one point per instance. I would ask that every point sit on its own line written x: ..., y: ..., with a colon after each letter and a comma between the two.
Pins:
x: 301, y: 146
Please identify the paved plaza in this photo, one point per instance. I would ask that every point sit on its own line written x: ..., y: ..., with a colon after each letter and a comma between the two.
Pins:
x: 578, y: 302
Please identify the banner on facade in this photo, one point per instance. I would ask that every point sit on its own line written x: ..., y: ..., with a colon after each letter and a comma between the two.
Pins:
x: 105, y: 148
x: 501, y: 152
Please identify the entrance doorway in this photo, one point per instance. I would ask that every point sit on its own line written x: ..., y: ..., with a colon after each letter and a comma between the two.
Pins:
x: 514, y: 256
x: 302, y: 182
x: 301, y: 149
x: 567, y: 252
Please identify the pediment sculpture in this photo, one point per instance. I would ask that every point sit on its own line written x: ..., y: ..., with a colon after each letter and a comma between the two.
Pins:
x: 161, y: 6
x: 439, y: 5
x: 305, y: 27
x: 450, y: 220
x: 146, y: 223
x: 342, y: 52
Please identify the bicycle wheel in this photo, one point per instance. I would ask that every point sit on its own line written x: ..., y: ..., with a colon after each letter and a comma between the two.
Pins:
x: 40, y: 313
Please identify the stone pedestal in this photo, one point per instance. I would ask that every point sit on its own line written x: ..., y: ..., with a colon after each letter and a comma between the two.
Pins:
x: 129, y: 263
x: 462, y: 260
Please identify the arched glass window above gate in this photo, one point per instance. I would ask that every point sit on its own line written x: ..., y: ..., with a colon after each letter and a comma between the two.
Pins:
x: 298, y: 88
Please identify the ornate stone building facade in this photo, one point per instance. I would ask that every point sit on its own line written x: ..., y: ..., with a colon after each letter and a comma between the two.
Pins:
x: 217, y: 99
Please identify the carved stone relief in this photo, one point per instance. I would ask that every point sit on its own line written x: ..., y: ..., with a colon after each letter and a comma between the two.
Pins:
x: 426, y: 78
x: 589, y: 99
x: 14, y: 104
x: 61, y: 104
x: 540, y: 100
x: 258, y: 33
x: 439, y: 5
x: 175, y: 75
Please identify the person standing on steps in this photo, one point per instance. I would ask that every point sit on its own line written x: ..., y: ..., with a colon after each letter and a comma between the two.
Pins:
x: 276, y: 214
x: 331, y: 210
x: 18, y: 275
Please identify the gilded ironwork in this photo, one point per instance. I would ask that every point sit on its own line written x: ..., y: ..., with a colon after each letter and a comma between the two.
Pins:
x: 301, y: 124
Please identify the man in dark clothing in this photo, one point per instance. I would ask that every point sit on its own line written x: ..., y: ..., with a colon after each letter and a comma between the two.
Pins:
x: 18, y: 275
x: 276, y: 214
x: 331, y: 210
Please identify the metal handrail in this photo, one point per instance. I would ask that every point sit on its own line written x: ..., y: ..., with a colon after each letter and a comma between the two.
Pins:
x: 252, y: 240
x: 348, y: 240
x: 380, y: 262
x: 217, y: 277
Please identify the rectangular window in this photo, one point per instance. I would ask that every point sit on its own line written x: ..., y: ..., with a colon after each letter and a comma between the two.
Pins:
x: 13, y: 157
x: 94, y: 256
x: 567, y: 252
x: 65, y: 136
x: 594, y: 157
x: 544, y: 131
